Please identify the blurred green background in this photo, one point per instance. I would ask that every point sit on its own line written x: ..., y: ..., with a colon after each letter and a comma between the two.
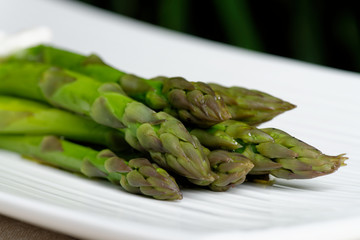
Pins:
x: 316, y: 31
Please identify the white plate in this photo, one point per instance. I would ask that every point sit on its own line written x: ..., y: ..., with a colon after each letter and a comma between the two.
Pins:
x: 327, y: 116
x: 23, y: 39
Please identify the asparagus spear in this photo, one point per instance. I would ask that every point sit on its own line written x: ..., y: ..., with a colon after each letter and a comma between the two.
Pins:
x: 163, y: 136
x: 230, y: 167
x: 192, y: 102
x: 136, y: 175
x: 24, y: 117
x: 251, y: 106
x: 196, y: 103
x: 271, y: 150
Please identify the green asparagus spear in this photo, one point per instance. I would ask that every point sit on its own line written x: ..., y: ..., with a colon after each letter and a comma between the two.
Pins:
x: 231, y: 169
x: 163, y: 136
x: 24, y: 117
x: 192, y: 102
x: 251, y: 106
x: 271, y: 150
x: 136, y: 176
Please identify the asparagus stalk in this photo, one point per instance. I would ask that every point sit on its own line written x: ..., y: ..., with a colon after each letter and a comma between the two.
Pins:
x: 22, y: 116
x: 251, y: 106
x: 26, y: 117
x: 163, y: 136
x: 192, y: 102
x: 271, y: 150
x: 197, y: 103
x: 135, y: 176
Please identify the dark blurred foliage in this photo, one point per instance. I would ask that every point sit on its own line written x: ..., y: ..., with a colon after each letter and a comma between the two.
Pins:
x: 317, y: 31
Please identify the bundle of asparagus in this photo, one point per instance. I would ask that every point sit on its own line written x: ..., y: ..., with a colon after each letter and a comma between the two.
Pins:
x: 26, y: 117
x: 49, y: 89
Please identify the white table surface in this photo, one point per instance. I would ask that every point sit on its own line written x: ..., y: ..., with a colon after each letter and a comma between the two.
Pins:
x: 327, y: 115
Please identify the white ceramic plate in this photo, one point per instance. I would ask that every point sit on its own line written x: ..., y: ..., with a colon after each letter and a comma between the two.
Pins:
x: 327, y: 116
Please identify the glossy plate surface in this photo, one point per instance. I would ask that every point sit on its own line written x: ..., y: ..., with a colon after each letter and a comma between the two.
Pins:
x: 327, y: 117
